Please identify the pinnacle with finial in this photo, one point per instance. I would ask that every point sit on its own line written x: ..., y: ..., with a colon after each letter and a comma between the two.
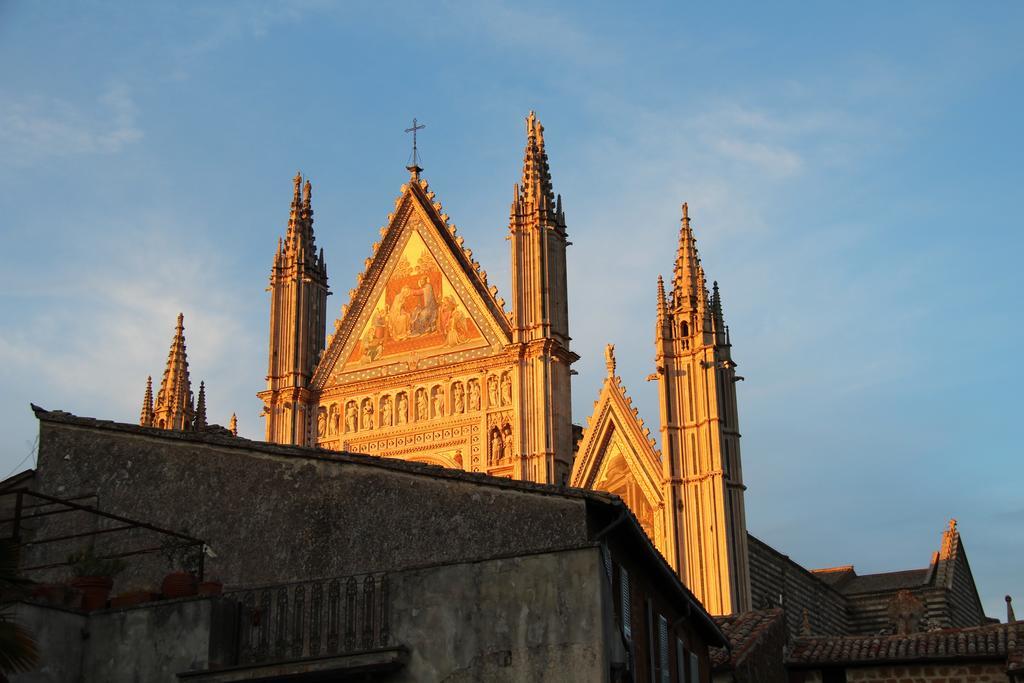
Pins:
x: 609, y: 359
x: 661, y: 296
x: 687, y: 275
x: 536, y: 190
x: 233, y: 424
x: 146, y: 418
x: 200, y: 418
x: 173, y: 402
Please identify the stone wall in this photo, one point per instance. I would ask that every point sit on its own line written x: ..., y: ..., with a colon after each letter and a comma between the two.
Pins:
x: 534, y: 618
x: 150, y: 643
x: 298, y: 513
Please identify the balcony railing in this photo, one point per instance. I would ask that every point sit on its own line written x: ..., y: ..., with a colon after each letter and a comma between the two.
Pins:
x: 312, y: 618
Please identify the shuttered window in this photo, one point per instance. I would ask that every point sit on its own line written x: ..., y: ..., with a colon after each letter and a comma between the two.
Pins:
x: 694, y: 668
x: 680, y: 661
x: 665, y: 673
x: 624, y: 598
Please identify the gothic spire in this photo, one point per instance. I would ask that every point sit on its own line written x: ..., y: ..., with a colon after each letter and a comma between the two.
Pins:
x: 146, y: 418
x: 199, y: 423
x: 173, y: 408
x: 687, y: 276
x: 536, y: 193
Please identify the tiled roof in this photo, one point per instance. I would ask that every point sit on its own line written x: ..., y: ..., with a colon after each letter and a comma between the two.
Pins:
x: 997, y: 641
x: 743, y: 632
x: 889, y: 581
x: 835, y: 576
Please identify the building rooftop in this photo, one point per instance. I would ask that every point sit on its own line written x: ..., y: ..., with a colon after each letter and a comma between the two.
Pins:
x: 997, y: 642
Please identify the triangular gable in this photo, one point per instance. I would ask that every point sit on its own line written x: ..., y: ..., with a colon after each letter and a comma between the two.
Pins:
x: 613, y: 431
x: 421, y: 301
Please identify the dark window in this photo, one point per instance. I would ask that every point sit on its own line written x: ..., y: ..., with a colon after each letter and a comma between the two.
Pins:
x: 665, y: 674
x: 625, y: 603
x: 694, y: 668
x: 833, y: 676
x: 680, y: 661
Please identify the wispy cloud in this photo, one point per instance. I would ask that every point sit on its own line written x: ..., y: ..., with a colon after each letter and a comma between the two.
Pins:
x: 37, y: 127
x: 111, y: 325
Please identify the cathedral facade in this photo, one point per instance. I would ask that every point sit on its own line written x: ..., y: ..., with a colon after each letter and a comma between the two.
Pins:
x: 426, y: 363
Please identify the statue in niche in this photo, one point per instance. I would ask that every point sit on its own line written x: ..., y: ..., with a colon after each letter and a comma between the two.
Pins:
x: 906, y: 612
x: 492, y: 391
x: 506, y: 389
x: 385, y: 411
x: 438, y: 402
x: 422, y: 406
x: 333, y: 419
x: 321, y: 422
x: 507, y: 434
x: 474, y: 395
x: 459, y: 401
x: 367, y: 414
x: 350, y: 416
x: 495, y: 455
x: 402, y: 408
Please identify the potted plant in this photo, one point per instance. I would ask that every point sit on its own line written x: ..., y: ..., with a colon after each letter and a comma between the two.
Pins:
x: 94, y: 576
x: 184, y: 558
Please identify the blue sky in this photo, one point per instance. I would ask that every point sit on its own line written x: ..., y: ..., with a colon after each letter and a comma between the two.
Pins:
x: 852, y: 171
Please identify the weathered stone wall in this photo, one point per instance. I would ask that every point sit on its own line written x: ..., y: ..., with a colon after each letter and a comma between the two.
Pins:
x: 533, y: 618
x: 145, y: 643
x: 774, y: 575
x: 58, y: 635
x: 930, y: 673
x: 297, y: 513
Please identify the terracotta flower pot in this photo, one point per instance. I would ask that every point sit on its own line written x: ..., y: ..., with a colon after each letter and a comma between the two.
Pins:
x: 132, y: 598
x: 211, y: 588
x: 95, y: 590
x: 179, y: 585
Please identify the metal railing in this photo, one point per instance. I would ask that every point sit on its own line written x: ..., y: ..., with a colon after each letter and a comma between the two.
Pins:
x: 30, y: 506
x: 312, y: 618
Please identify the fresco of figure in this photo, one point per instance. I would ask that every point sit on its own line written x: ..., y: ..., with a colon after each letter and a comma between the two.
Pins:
x: 373, y: 340
x: 424, y: 316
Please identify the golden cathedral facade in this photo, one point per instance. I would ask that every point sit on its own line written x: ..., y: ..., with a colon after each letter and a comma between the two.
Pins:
x: 425, y: 363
